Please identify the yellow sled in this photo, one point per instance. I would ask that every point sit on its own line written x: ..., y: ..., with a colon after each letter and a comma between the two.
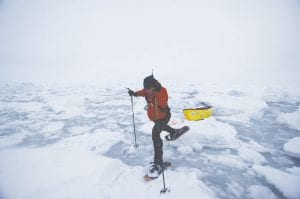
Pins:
x: 198, y: 113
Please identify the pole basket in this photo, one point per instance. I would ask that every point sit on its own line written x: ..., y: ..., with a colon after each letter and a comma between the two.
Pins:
x: 164, y: 190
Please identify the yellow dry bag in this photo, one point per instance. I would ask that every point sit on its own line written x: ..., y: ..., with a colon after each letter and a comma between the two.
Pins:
x: 194, y: 114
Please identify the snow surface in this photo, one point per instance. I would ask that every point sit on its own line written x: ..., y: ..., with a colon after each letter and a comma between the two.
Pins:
x: 73, y: 173
x: 262, y: 192
x: 77, y: 142
x: 291, y: 119
x: 292, y: 147
x: 287, y: 183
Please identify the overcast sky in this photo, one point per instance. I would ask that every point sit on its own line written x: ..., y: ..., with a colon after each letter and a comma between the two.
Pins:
x: 96, y: 41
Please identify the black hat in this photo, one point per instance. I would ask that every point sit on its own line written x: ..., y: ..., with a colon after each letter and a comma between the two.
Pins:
x: 149, y: 82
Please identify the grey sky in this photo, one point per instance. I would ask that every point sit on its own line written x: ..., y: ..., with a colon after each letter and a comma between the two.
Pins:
x: 91, y: 40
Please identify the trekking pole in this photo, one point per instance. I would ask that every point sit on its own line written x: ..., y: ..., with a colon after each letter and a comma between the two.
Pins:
x: 135, y: 144
x: 164, y: 190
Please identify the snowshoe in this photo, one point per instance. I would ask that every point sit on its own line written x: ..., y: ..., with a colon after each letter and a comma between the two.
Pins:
x: 155, y: 171
x: 177, y: 134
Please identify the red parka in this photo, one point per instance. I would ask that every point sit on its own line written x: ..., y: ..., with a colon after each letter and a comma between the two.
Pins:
x: 157, y: 103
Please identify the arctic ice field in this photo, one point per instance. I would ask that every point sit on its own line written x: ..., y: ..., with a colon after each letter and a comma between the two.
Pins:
x: 78, y: 142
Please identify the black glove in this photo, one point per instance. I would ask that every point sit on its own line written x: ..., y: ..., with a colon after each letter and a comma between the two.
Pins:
x: 132, y: 93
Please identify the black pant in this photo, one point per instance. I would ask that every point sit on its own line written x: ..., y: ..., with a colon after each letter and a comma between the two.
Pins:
x: 159, y: 126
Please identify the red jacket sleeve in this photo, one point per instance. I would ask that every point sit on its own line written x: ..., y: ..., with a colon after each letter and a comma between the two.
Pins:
x: 141, y: 93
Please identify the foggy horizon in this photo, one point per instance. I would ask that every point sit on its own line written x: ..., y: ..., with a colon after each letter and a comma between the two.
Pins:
x: 95, y: 42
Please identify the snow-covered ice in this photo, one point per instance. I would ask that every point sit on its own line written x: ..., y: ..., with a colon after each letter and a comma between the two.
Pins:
x: 209, y: 132
x: 291, y: 119
x: 77, y: 142
x: 250, y: 155
x: 292, y: 147
x: 286, y: 182
x: 64, y: 171
x: 262, y: 192
x: 57, y: 173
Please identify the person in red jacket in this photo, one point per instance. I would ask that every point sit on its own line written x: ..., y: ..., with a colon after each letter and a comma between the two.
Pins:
x: 159, y: 112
